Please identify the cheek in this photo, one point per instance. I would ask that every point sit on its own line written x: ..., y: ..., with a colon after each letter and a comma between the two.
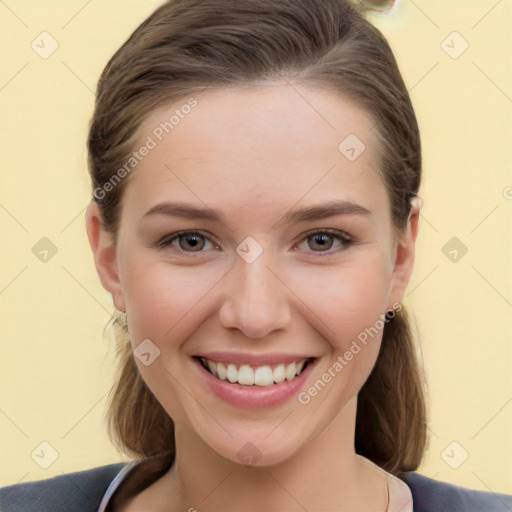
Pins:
x: 350, y: 303
x: 348, y: 298
x: 163, y: 304
x: 161, y: 299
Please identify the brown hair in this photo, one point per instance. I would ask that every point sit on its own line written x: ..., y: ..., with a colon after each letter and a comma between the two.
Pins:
x: 189, y: 46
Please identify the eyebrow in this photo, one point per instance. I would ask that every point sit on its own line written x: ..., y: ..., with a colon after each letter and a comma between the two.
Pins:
x: 310, y: 213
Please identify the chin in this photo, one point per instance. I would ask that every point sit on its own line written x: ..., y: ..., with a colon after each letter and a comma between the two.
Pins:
x: 257, y: 450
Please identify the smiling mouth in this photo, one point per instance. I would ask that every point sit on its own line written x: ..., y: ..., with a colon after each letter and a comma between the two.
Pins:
x: 247, y: 375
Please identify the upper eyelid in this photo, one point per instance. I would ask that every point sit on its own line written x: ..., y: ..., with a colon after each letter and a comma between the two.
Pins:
x: 334, y: 232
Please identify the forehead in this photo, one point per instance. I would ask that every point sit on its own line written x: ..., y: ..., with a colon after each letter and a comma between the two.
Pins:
x: 257, y: 148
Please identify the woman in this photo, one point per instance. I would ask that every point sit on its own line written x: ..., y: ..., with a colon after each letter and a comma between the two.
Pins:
x: 268, y: 365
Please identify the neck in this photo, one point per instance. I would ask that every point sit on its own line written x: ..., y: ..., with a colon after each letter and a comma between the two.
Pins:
x: 325, y: 473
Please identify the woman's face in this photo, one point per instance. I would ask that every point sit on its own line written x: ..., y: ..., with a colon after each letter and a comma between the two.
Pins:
x: 269, y: 277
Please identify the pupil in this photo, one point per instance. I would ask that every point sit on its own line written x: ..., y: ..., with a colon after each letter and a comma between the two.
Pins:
x: 322, y: 240
x: 193, y: 241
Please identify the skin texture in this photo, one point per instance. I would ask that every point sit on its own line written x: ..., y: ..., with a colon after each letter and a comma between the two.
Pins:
x: 254, y: 155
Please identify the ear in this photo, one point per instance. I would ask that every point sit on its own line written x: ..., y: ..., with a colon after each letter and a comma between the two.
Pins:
x: 405, y: 254
x: 104, y: 251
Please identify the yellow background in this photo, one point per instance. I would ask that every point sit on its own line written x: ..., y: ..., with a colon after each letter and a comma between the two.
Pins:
x: 56, y: 368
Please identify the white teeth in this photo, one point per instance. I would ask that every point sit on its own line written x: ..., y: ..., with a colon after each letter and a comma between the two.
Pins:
x: 291, y: 370
x: 279, y: 373
x: 258, y: 376
x: 232, y: 373
x: 212, y: 366
x: 263, y: 376
x: 221, y: 371
x: 246, y: 375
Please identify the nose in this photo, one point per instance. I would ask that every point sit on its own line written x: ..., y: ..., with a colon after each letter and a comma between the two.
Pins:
x: 256, y: 299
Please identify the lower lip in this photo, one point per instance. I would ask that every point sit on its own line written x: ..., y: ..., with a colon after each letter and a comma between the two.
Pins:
x: 254, y: 397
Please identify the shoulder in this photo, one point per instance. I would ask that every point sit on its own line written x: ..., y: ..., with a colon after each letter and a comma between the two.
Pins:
x: 80, y: 491
x: 434, y: 496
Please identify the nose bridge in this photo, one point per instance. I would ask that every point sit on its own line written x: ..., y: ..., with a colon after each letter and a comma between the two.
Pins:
x: 255, y: 301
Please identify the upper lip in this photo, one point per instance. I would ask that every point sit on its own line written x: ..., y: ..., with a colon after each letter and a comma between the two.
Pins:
x: 252, y: 359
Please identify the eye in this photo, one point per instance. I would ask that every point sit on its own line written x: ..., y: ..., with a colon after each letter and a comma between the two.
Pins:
x: 322, y: 240
x: 186, y: 240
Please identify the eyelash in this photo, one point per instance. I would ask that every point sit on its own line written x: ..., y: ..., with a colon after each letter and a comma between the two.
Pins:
x: 345, y: 240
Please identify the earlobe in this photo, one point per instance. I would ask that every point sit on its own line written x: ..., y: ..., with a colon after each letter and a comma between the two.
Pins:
x: 405, y: 254
x: 104, y: 252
